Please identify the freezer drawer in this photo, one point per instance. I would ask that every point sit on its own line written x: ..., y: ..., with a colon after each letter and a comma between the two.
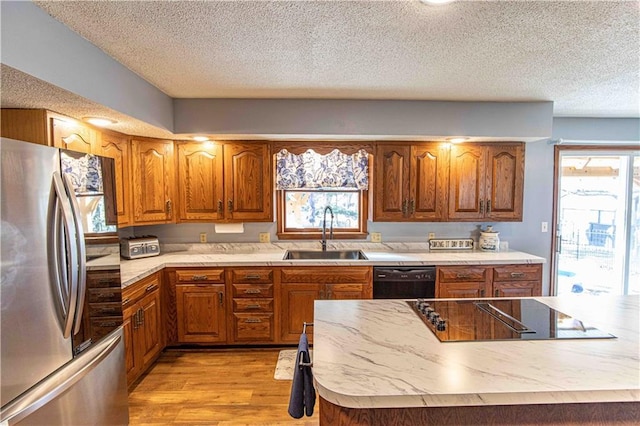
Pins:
x: 90, y: 390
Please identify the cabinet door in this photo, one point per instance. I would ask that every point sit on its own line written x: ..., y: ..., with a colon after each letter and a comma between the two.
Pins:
x: 201, y: 313
x: 392, y: 164
x: 247, y: 178
x: 517, y: 289
x: 152, y: 178
x: 428, y: 191
x: 117, y: 147
x: 474, y: 289
x: 345, y: 291
x: 130, y: 327
x: 467, y: 182
x: 297, y: 308
x: 505, y: 180
x: 151, y: 330
x: 200, y: 188
x: 69, y: 134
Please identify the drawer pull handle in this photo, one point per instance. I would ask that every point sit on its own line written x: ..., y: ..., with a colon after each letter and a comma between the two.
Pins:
x: 252, y: 277
x: 253, y: 291
x: 108, y: 324
x: 151, y: 288
x: 198, y: 278
x: 255, y: 306
x: 105, y: 295
x: 517, y: 274
x: 252, y: 320
x: 126, y: 301
x: 463, y: 276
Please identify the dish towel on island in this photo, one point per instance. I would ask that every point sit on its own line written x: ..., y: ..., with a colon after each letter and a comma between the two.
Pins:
x: 303, y: 394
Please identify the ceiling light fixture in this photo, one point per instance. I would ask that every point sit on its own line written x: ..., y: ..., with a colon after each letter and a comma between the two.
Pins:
x: 200, y: 138
x: 436, y: 2
x: 457, y: 140
x: 99, y: 121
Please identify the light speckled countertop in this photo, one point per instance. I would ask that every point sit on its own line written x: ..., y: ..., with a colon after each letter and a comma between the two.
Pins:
x: 134, y: 270
x: 378, y: 353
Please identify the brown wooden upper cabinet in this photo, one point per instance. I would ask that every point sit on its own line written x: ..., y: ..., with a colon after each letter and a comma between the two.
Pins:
x: 486, y: 182
x: 152, y: 180
x: 410, y: 182
x: 117, y: 147
x: 48, y: 128
x: 229, y: 182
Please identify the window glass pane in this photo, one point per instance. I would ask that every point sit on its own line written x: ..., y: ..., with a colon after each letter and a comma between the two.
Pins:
x: 305, y: 209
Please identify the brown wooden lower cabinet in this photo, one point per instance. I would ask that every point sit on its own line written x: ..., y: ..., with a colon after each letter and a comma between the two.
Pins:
x: 301, y: 287
x: 201, y: 313
x: 489, y: 281
x: 142, y: 325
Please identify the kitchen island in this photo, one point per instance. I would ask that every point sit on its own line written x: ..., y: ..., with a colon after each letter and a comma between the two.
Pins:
x: 376, y: 362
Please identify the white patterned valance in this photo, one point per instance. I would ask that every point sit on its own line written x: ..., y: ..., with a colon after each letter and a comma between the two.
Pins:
x: 313, y: 170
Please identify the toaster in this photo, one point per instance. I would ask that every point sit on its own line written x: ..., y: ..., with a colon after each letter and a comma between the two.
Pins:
x: 137, y: 247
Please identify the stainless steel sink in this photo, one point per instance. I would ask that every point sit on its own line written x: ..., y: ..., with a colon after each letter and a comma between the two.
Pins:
x: 329, y: 254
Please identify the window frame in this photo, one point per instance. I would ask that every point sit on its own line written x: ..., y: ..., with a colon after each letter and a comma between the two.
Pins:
x: 316, y: 233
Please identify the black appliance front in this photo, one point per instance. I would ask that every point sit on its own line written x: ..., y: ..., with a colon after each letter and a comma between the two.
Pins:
x: 404, y: 283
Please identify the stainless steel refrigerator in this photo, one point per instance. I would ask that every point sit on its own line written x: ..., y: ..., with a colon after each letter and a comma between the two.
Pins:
x: 62, y: 348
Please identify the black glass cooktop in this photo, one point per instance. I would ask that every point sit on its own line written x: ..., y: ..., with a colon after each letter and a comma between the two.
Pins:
x: 500, y: 319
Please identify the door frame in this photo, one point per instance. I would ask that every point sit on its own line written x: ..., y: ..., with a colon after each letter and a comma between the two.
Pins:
x: 556, y: 175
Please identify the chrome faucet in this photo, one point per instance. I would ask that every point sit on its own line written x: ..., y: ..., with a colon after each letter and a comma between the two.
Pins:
x: 324, y: 228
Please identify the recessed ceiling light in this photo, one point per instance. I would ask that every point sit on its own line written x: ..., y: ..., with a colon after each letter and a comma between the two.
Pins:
x: 99, y: 121
x: 200, y: 138
x: 436, y: 2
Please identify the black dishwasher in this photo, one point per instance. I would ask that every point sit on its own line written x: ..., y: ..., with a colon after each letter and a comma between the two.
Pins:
x: 404, y: 283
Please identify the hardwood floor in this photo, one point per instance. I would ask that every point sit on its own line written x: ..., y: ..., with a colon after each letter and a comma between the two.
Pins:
x: 214, y: 387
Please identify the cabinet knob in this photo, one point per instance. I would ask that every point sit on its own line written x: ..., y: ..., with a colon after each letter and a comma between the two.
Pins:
x: 412, y: 206
x: 168, y: 204
x: 481, y: 206
x: 230, y: 205
x: 404, y: 207
x: 496, y: 293
x: 220, y: 208
x: 488, y: 206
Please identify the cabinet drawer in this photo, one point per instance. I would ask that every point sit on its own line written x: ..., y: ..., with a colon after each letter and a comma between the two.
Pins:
x: 105, y: 309
x: 326, y: 275
x: 200, y: 275
x: 253, y: 305
x: 252, y: 290
x: 249, y: 276
x: 105, y: 295
x: 250, y: 327
x: 100, y: 327
x: 517, y: 273
x: 103, y: 279
x: 461, y: 274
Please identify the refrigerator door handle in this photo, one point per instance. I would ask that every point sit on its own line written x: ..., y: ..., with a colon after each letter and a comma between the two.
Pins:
x: 81, y: 254
x: 59, y: 382
x: 65, y: 256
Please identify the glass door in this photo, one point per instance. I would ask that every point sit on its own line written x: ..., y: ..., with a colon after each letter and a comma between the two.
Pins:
x: 597, y: 245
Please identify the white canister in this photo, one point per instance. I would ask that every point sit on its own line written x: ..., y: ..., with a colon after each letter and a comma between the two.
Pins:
x: 489, y: 239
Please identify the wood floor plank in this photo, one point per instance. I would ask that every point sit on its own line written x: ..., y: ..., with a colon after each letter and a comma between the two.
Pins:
x: 214, y: 387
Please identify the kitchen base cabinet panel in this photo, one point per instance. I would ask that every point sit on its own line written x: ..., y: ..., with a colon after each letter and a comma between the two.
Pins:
x: 201, y: 313
x: 142, y: 325
x: 252, y: 320
x: 489, y: 281
x: 301, y: 287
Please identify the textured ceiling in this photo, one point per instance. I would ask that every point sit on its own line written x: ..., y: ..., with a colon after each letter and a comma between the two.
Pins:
x: 582, y: 55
